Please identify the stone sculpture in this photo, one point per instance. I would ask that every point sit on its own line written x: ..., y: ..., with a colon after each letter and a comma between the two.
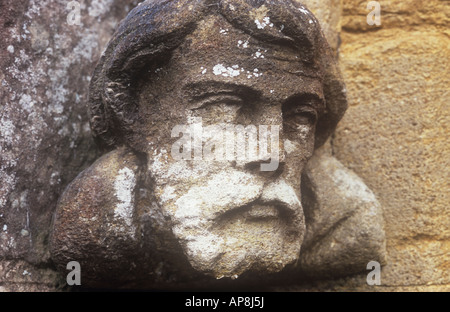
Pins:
x: 141, y: 216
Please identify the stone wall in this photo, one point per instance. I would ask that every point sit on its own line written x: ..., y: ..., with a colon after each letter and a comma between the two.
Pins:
x: 45, y: 68
x: 395, y: 132
x: 393, y: 135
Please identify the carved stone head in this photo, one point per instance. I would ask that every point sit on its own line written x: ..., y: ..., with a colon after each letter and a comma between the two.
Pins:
x: 173, y: 199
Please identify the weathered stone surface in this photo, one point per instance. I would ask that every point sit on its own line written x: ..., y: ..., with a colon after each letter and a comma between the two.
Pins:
x: 407, y: 15
x: 395, y: 133
x: 201, y: 64
x: 46, y: 65
x: 392, y: 70
x: 328, y: 13
x: 21, y: 276
x: 345, y: 221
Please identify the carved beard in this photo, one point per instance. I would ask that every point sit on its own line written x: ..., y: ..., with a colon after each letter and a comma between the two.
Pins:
x: 228, y: 221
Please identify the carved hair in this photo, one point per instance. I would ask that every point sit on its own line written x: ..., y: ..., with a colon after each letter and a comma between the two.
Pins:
x: 155, y: 28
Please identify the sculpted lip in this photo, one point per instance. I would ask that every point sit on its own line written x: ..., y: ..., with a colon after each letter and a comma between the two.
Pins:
x: 260, y: 210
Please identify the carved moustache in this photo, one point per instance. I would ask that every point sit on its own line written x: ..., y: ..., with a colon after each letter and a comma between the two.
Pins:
x: 237, y: 191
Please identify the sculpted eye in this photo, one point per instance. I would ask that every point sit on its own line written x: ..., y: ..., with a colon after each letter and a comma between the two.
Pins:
x: 217, y: 102
x: 296, y: 118
x: 299, y: 117
x: 218, y: 108
x: 300, y: 114
x: 220, y: 100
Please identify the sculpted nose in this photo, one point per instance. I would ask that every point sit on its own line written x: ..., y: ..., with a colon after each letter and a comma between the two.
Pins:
x: 268, y: 168
x: 270, y: 163
x: 264, y: 152
x: 281, y: 192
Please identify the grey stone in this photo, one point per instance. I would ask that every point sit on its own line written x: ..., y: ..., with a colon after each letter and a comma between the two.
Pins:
x: 45, y: 140
x: 111, y: 217
x: 141, y: 217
